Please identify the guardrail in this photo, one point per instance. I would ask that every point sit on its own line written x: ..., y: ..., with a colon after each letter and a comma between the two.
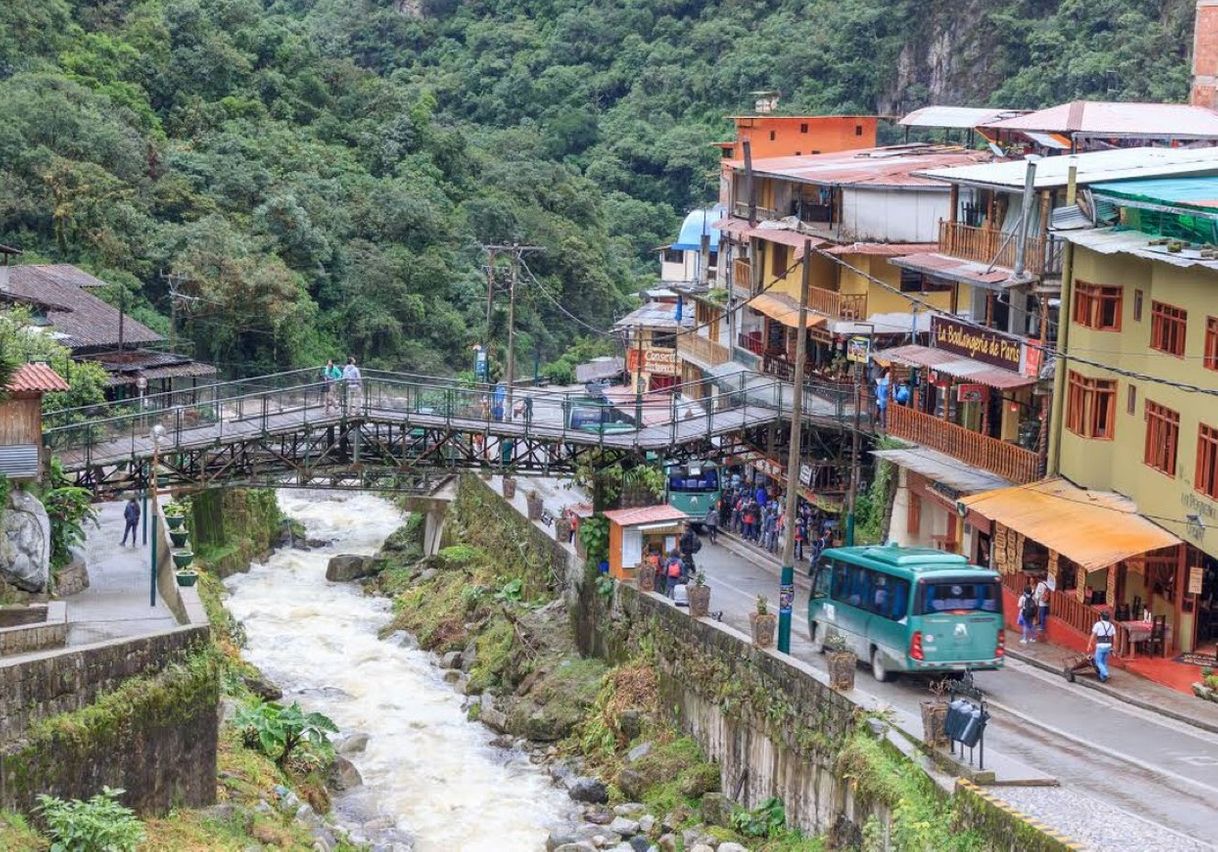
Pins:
x: 1000, y: 457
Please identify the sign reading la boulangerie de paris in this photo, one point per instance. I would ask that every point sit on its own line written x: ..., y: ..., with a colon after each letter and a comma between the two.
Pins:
x: 979, y: 344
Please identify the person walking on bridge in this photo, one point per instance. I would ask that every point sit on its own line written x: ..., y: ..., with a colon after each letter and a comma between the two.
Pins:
x: 354, y: 382
x: 330, y: 376
x: 131, y: 515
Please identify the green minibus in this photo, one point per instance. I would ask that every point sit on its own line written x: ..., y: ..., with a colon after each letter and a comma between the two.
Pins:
x: 907, y: 609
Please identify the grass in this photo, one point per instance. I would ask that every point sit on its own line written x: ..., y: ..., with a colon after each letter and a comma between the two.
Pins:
x: 17, y: 836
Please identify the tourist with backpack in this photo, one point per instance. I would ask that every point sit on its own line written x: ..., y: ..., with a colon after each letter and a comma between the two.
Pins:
x: 672, y: 573
x: 1027, y: 616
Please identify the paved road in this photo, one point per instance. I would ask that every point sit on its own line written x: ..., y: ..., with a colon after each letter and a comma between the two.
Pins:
x: 1137, y: 761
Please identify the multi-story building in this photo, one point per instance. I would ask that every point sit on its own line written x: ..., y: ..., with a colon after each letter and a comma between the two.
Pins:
x: 690, y: 261
x: 650, y: 334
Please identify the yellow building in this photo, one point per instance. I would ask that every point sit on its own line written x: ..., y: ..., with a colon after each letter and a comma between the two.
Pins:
x: 1137, y: 401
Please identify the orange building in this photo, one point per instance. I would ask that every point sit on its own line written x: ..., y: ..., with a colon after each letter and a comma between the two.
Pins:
x: 795, y: 135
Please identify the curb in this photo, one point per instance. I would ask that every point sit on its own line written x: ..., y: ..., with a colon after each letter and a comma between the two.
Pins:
x: 1064, y: 840
x: 1202, y: 724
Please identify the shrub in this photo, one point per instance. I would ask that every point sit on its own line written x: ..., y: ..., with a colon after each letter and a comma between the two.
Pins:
x: 277, y: 731
x: 100, y: 824
x: 769, y: 819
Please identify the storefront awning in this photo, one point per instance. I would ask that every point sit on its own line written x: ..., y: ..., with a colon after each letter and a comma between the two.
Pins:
x: 1092, y: 528
x: 956, y: 269
x: 944, y: 469
x: 785, y: 310
x: 955, y: 365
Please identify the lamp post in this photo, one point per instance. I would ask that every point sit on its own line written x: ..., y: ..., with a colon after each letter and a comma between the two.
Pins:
x: 158, y: 432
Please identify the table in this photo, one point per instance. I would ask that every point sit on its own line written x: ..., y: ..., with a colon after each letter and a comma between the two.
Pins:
x: 1139, y: 631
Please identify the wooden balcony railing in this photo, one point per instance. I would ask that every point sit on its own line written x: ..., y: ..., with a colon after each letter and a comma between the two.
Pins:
x: 742, y: 274
x: 702, y: 348
x: 849, y: 306
x: 990, y: 246
x: 740, y: 210
x: 751, y: 341
x: 974, y: 449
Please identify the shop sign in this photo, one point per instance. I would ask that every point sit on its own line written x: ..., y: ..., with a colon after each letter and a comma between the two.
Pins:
x: 659, y: 361
x: 1196, y: 576
x: 858, y: 349
x: 1032, y: 357
x: 769, y: 468
x: 983, y: 345
x: 970, y: 393
x: 805, y: 474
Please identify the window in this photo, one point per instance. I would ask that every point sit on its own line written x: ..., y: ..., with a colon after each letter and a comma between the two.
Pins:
x: 803, y: 128
x: 771, y: 135
x: 1207, y: 461
x: 1162, y: 435
x: 1097, y: 307
x: 664, y: 339
x: 1167, y: 328
x: 1137, y: 305
x: 1210, y: 358
x: 913, y: 281
x: 778, y: 259
x: 889, y: 596
x: 672, y: 255
x: 965, y: 595
x: 1131, y: 403
x: 1091, y: 406
x: 858, y: 130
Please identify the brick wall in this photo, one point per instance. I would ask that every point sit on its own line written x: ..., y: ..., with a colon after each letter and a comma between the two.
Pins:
x: 1205, y: 54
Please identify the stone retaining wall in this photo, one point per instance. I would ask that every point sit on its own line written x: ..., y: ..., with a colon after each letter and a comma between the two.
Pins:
x: 49, y: 630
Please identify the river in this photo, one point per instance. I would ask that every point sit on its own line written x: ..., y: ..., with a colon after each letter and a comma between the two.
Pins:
x: 428, y: 773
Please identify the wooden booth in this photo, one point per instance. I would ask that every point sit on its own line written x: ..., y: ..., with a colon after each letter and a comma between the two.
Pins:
x: 632, y: 532
x: 21, y: 420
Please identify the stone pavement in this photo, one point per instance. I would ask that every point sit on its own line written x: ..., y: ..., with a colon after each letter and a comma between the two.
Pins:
x: 116, y: 603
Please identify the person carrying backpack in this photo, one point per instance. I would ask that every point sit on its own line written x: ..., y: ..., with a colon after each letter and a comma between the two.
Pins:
x: 690, y: 544
x: 1027, y: 616
x: 672, y: 572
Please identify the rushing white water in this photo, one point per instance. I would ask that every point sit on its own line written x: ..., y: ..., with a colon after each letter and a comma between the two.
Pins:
x: 427, y: 771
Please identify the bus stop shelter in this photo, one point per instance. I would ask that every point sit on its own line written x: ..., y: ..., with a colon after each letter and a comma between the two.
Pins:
x: 633, y: 532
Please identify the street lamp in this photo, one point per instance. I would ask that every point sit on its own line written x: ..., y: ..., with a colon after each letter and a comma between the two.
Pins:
x: 158, y: 432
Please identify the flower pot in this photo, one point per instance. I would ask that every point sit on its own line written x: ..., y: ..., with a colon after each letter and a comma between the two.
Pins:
x: 175, y: 521
x: 187, y: 578
x: 183, y: 558
x: 646, y: 578
x: 699, y: 601
x: 842, y: 665
x: 562, y: 530
x: 178, y: 537
x: 763, y: 626
x: 934, y: 718
x: 509, y: 487
x: 533, y: 500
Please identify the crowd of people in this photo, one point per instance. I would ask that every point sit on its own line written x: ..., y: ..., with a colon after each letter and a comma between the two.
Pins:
x: 759, y: 516
x: 349, y: 379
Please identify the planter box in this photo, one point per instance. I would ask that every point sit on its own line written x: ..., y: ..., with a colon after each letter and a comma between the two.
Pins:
x: 178, y: 537
x: 646, y: 578
x: 533, y: 500
x: 175, y: 521
x: 842, y: 667
x: 183, y: 558
x: 934, y: 717
x: 187, y: 578
x: 699, y: 601
x: 509, y: 487
x: 763, y: 628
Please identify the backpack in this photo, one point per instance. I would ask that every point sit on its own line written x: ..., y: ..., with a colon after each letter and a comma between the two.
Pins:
x: 1028, y: 608
x: 674, y: 568
x: 696, y: 545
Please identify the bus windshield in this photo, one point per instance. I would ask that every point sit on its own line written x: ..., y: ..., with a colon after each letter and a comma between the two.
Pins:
x: 964, y: 595
x: 681, y: 479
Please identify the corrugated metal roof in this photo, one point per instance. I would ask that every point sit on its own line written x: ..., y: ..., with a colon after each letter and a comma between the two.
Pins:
x: 645, y: 515
x: 956, y: 116
x: 882, y: 249
x: 956, y: 365
x: 661, y: 315
x: 1112, y: 118
x: 599, y: 368
x: 81, y: 318
x: 1070, y: 218
x: 943, y: 468
x: 1093, y: 528
x: 1093, y: 167
x: 1198, y: 193
x: 19, y: 461
x: 773, y: 231
x: 36, y: 378
x: 955, y: 269
x: 892, y: 166
x: 900, y: 322
x: 697, y: 223
x: 1115, y: 241
x: 784, y: 309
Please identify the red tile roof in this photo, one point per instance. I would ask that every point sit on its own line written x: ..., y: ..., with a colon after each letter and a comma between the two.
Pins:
x: 894, y: 165
x: 645, y: 515
x: 882, y: 249
x: 35, y: 378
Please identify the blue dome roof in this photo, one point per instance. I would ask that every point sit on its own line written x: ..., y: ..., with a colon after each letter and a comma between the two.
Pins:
x: 697, y: 223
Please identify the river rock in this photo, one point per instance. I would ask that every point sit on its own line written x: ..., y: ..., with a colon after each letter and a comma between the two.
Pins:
x: 261, y: 686
x: 624, y: 826
x: 598, y: 814
x: 632, y: 783
x: 639, y: 843
x: 581, y: 846
x: 25, y: 543
x: 352, y: 743
x: 630, y: 723
x: 629, y: 809
x: 451, y: 660
x: 346, y: 567
x: 667, y: 843
x: 493, y: 717
x: 469, y: 656
x: 676, y: 817
x: 646, y: 823
x: 732, y: 847
x: 717, y: 809
x: 453, y: 676
x: 588, y: 790
x: 557, y: 839
x: 639, y: 752
x: 343, y: 775
x: 701, y: 847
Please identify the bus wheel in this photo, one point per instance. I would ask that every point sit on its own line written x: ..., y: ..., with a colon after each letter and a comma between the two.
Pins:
x: 877, y: 667
x: 817, y: 634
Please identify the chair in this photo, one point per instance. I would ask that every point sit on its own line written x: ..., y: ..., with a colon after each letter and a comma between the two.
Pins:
x: 1136, y: 609
x: 1122, y: 612
x: 1157, y: 642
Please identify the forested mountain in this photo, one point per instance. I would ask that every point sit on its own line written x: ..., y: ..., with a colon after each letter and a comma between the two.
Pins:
x: 320, y: 172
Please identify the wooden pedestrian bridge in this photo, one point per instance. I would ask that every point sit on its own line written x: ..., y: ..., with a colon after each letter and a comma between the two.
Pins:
x: 402, y: 432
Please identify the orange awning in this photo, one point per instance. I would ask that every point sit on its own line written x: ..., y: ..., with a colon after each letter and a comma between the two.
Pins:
x: 785, y: 310
x: 1092, y: 528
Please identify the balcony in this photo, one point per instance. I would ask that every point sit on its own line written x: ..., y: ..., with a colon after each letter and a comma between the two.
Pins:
x: 846, y: 306
x: 974, y: 449
x: 742, y: 275
x: 702, y: 349
x: 740, y: 209
x: 989, y: 246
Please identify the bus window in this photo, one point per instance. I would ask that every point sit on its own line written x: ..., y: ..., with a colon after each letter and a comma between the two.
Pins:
x: 820, y: 583
x: 960, y: 596
x: 859, y: 587
x: 841, y: 577
x: 889, y: 596
x: 683, y: 481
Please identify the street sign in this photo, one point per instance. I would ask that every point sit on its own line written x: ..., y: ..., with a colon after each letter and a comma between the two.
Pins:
x: 1196, y: 577
x: 858, y: 349
x: 480, y: 370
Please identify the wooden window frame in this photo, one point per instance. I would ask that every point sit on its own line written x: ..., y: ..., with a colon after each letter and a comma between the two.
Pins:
x: 1209, y: 358
x: 1206, y: 479
x: 1168, y: 328
x: 779, y: 256
x: 1089, y: 300
x: 1137, y: 305
x: 1162, y: 438
x: 1131, y: 403
x: 1085, y: 416
x: 913, y: 518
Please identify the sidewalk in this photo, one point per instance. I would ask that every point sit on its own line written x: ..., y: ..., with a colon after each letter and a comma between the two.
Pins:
x: 1124, y: 685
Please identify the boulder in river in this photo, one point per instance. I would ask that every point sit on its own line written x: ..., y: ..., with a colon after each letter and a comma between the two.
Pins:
x: 343, y: 775
x: 588, y: 790
x: 261, y: 686
x: 351, y: 743
x: 451, y: 660
x: 347, y: 566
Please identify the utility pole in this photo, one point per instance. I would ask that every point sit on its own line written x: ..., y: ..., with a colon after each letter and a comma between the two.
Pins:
x: 786, y: 587
x: 852, y: 494
x: 511, y: 346
x: 517, y: 252
x: 491, y: 254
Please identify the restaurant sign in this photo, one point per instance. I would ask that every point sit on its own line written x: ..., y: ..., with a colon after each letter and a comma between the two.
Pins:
x: 980, y: 344
x: 659, y: 361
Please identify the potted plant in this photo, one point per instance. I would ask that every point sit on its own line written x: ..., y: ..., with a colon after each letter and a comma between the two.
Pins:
x: 842, y: 663
x: 509, y: 486
x: 183, y: 558
x: 646, y: 577
x: 175, y: 515
x: 178, y: 537
x: 763, y: 624
x: 699, y: 596
x: 934, y: 715
x: 533, y: 499
x: 187, y: 576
